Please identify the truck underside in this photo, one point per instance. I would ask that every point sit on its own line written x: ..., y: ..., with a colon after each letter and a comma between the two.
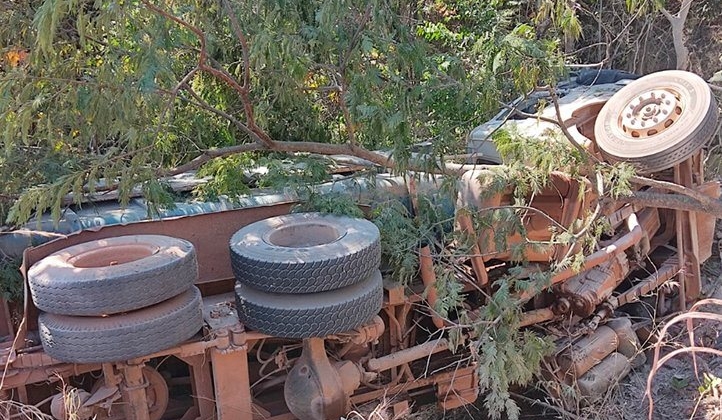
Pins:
x: 403, y: 353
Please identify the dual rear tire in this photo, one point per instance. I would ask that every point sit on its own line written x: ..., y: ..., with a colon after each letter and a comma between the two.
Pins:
x: 116, y: 299
x: 307, y: 275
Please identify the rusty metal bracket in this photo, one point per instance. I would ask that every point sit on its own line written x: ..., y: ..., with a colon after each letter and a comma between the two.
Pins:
x: 687, y: 241
x: 232, y: 383
x: 133, y: 391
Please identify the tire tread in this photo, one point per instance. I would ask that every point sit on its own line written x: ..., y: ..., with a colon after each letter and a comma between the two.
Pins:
x: 292, y: 321
x: 306, y: 277
x: 103, y: 296
x: 75, y: 340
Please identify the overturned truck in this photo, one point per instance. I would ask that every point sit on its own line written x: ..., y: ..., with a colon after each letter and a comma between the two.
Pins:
x: 260, y: 313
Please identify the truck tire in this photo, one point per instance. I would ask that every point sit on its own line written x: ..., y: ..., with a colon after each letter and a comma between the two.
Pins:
x: 310, y: 315
x: 305, y: 253
x: 80, y: 339
x: 113, y: 275
x: 657, y: 121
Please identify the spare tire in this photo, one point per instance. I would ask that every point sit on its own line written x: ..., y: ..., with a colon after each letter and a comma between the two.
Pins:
x: 657, y: 121
x: 113, y: 275
x: 305, y: 253
x: 80, y: 339
x: 310, y: 315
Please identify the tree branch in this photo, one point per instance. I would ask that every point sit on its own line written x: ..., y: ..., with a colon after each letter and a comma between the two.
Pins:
x: 563, y: 127
x: 676, y: 188
x: 220, y: 74
x: 242, y: 40
x: 173, y: 95
x: 201, y: 103
x: 673, y: 201
x: 343, y: 62
x: 209, y: 155
x: 678, y: 21
x: 287, y: 147
x: 199, y: 34
x: 556, y: 121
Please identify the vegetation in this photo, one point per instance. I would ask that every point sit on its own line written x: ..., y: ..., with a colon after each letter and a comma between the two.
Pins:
x: 112, y: 94
x: 108, y: 90
x: 11, y: 282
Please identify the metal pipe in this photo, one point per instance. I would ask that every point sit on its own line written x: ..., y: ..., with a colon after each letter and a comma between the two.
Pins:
x: 477, y: 261
x: 607, y: 253
x: 400, y: 357
x: 636, y: 233
x: 536, y: 316
x: 428, y: 277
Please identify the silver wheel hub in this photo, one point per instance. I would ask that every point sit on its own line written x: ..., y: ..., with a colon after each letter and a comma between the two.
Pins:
x: 650, y: 113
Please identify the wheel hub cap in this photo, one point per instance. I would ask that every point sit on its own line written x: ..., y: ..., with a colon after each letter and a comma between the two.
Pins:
x: 650, y: 113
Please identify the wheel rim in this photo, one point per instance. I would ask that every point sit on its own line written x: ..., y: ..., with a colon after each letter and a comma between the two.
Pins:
x: 650, y: 113
x: 303, y: 235
x: 157, y: 395
x: 110, y: 255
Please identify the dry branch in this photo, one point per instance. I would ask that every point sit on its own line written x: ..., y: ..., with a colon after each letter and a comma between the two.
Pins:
x: 689, y: 318
x: 678, y: 37
x: 673, y: 201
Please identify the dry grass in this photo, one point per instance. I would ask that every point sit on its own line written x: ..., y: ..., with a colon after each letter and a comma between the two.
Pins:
x: 12, y: 410
x: 72, y: 400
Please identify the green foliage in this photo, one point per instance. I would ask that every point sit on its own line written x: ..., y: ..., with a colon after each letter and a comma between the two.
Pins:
x: 159, y: 196
x: 563, y: 14
x: 400, y: 239
x: 298, y: 172
x: 78, y: 105
x: 617, y: 178
x: 449, y: 291
x: 500, y: 224
x: 403, y: 232
x: 529, y: 163
x: 507, y: 356
x: 37, y: 199
x: 226, y: 177
x: 331, y: 203
x: 548, y: 152
x: 645, y: 5
x: 97, y: 99
x: 11, y: 281
x: 711, y: 384
x: 524, y: 60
